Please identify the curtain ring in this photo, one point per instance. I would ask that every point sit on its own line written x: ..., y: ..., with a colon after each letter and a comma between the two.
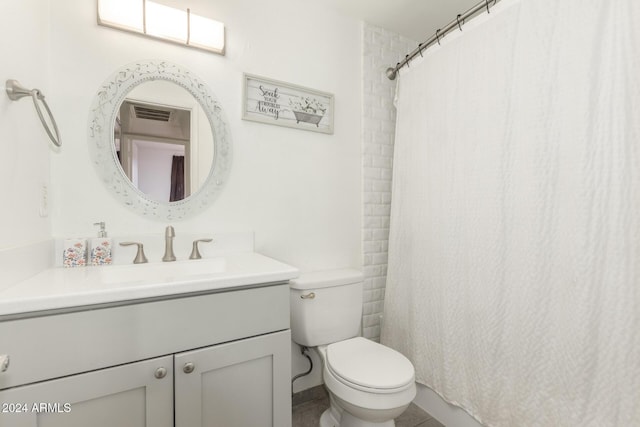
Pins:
x: 487, y: 3
x: 420, y: 48
x: 458, y: 20
x: 438, y: 35
x: 406, y: 60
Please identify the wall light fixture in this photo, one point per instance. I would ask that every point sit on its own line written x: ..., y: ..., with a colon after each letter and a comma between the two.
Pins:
x: 163, y: 22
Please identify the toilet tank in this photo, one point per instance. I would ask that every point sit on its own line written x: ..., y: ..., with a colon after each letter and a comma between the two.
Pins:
x: 326, y: 306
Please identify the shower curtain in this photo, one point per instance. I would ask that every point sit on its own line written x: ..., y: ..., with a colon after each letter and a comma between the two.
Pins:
x: 514, y: 252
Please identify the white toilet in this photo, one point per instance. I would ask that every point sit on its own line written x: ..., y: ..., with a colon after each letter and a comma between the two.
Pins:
x: 369, y: 384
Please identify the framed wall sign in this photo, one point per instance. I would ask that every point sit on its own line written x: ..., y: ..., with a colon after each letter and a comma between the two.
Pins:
x: 283, y: 104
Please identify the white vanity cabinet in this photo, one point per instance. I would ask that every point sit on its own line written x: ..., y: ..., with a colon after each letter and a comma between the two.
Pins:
x: 213, y: 359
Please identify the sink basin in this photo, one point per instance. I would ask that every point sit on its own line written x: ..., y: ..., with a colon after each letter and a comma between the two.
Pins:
x: 162, y: 272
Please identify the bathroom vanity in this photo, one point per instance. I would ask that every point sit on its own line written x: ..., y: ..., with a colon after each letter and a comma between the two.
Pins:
x: 103, y: 346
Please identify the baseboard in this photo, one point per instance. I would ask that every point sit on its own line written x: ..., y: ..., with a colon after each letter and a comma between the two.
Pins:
x: 449, y: 415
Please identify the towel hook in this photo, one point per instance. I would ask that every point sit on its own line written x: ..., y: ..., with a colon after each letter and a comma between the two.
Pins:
x: 16, y: 91
x: 438, y: 35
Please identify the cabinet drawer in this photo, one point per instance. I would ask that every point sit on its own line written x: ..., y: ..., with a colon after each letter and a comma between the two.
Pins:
x: 54, y: 346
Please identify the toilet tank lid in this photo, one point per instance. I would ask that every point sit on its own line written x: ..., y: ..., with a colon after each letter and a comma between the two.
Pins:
x: 326, y: 279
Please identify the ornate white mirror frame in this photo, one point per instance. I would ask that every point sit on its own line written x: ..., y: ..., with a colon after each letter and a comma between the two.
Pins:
x: 102, y: 118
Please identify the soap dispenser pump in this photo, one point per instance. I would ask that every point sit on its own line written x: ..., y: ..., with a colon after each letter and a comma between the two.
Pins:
x: 101, y: 246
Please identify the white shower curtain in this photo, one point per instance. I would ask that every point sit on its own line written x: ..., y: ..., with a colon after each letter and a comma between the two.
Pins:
x: 514, y: 255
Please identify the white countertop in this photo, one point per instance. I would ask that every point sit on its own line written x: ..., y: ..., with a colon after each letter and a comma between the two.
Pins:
x: 65, y: 288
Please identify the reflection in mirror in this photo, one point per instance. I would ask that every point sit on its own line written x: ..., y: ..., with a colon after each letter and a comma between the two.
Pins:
x: 159, y: 89
x: 163, y: 141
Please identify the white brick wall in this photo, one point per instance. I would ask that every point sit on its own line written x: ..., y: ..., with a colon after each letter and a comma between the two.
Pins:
x: 380, y: 49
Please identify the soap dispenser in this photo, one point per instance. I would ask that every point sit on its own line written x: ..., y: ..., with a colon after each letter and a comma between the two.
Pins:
x: 101, y: 247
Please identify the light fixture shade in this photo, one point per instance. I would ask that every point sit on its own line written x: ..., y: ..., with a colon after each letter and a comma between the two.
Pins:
x: 163, y: 22
x: 124, y: 14
x: 206, y: 33
x: 166, y: 22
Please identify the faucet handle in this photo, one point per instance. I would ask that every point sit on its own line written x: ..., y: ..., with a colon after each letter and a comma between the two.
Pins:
x: 195, y: 253
x: 140, y: 258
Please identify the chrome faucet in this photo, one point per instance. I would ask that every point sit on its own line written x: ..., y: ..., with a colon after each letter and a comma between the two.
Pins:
x: 169, y: 234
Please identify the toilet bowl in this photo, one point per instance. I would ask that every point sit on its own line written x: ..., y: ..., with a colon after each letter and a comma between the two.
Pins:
x: 369, y: 384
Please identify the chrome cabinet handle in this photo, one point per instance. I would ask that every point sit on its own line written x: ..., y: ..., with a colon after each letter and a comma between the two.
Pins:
x: 4, y: 362
x: 188, y: 367
x: 160, y: 373
x: 308, y: 296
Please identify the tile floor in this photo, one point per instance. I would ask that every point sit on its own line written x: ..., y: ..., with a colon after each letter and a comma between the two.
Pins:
x: 308, y: 405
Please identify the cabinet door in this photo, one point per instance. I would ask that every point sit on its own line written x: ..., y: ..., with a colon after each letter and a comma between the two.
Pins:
x: 125, y: 396
x: 244, y: 383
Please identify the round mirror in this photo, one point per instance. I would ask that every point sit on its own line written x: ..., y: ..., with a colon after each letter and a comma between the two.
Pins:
x: 159, y: 140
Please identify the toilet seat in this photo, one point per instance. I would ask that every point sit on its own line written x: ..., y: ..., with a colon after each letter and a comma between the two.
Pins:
x: 368, y: 366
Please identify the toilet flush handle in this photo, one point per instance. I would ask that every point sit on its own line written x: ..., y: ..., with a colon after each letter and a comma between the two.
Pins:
x: 4, y: 362
x: 308, y: 296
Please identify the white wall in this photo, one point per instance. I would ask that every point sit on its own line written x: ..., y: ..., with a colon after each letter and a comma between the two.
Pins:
x: 24, y: 145
x: 298, y: 190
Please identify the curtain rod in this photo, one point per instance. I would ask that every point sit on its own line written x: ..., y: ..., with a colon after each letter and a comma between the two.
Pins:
x: 392, y: 72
